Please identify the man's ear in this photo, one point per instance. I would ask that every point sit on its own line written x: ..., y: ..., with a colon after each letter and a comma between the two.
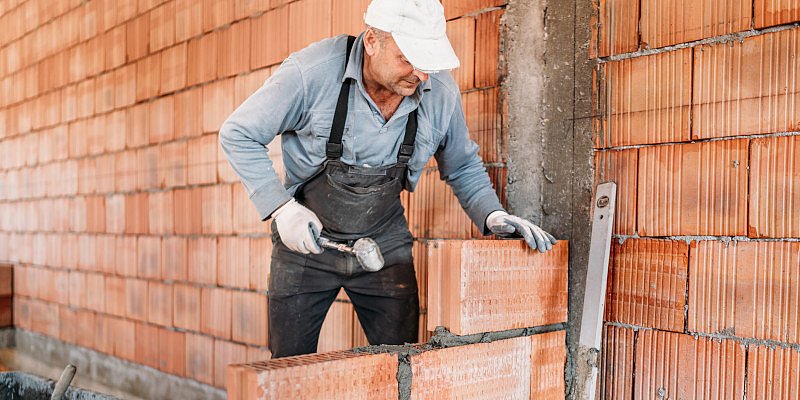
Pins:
x: 371, y: 42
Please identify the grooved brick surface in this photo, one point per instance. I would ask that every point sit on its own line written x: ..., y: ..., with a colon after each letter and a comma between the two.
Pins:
x: 647, y: 283
x: 775, y: 187
x: 336, y: 375
x: 747, y: 87
x: 494, y: 285
x: 679, y: 21
x: 677, y: 366
x: 620, y: 166
x: 616, y: 368
x: 775, y: 12
x: 645, y: 100
x: 693, y: 189
x: 750, y: 289
x: 497, y: 370
x: 773, y: 373
x: 548, y: 358
x: 617, y: 30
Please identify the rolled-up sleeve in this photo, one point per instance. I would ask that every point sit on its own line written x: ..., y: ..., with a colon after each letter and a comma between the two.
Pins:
x: 275, y: 107
x: 462, y: 168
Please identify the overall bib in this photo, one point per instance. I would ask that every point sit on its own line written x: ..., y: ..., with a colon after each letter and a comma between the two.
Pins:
x: 351, y: 202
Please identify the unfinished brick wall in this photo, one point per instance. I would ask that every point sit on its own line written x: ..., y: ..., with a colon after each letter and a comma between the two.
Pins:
x: 698, y: 121
x: 128, y: 231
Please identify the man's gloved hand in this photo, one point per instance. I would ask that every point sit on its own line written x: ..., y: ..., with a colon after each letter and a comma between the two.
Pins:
x: 500, y: 222
x: 296, y: 226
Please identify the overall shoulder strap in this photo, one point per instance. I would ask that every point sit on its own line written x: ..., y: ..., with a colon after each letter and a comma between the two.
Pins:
x: 333, y: 150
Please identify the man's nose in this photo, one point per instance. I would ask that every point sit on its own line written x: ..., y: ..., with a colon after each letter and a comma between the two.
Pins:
x: 421, y: 75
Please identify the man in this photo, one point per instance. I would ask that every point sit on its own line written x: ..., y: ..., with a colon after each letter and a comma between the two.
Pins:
x: 359, y: 118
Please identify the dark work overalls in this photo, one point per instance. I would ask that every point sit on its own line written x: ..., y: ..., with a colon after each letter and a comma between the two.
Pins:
x: 351, y: 202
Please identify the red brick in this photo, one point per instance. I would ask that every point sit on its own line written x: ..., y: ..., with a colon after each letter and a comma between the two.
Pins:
x: 203, y: 53
x: 159, y: 303
x: 773, y: 187
x: 188, y: 115
x: 216, y: 13
x: 215, y: 310
x: 202, y: 157
x: 172, y: 352
x: 749, y: 289
x: 645, y: 100
x: 618, y: 29
x: 126, y: 256
x: 78, y: 145
x: 685, y: 21
x: 483, y: 121
x: 619, y: 166
x: 188, y: 19
x: 103, y: 339
x: 137, y: 36
x: 499, y: 369
x: 138, y: 122
x: 86, y: 176
x: 270, y: 38
x: 226, y: 353
x: 188, y: 211
x: 136, y: 213
x: 125, y: 85
x: 676, y: 366
x: 95, y: 292
x: 258, y: 354
x: 647, y: 283
x: 249, y: 318
x: 125, y: 172
x: 147, y: 168
x: 173, y: 258
x: 104, y: 94
x: 245, y: 216
x: 115, y: 214
x: 68, y: 319
x: 548, y: 359
x: 770, y: 13
x: 233, y: 265
x: 93, y: 56
x: 147, y: 348
x: 341, y: 375
x: 123, y: 338
x: 149, y: 257
x: 616, y: 368
x: 115, y: 50
x: 457, y: 8
x: 173, y: 69
x: 245, y: 8
x: 160, y: 213
x: 95, y: 214
x: 217, y: 209
x: 735, y: 95
x: 148, y: 77
x: 106, y: 253
x: 309, y: 21
x: 136, y: 304
x: 186, y: 311
x: 433, y: 211
x: 461, y: 33
x: 773, y: 373
x: 172, y: 171
x: 487, y: 48
x: 115, y: 124
x: 202, y: 253
x: 260, y: 255
x: 234, y: 49
x: 77, y: 291
x: 161, y: 120
x: 162, y: 26
x: 115, y: 296
x: 217, y: 104
x: 200, y: 358
x: 693, y: 189
x: 468, y: 294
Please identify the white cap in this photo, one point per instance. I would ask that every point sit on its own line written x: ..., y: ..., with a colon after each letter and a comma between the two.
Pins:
x: 418, y: 27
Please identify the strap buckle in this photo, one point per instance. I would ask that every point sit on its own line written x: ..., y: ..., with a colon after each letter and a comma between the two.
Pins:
x: 333, y: 150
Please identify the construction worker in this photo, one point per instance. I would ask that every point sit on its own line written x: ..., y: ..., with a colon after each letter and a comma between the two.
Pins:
x: 358, y: 118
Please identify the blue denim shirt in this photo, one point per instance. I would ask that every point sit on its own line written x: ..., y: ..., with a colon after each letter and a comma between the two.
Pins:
x: 297, y: 102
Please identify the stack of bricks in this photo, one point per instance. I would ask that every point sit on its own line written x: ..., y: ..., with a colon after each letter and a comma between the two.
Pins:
x: 128, y: 231
x: 485, y: 287
x: 698, y: 122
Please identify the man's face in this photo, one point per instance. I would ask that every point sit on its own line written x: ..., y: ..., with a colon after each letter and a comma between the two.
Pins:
x: 393, y: 71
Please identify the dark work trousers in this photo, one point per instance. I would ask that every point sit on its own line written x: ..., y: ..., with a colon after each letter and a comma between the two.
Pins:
x: 303, y: 287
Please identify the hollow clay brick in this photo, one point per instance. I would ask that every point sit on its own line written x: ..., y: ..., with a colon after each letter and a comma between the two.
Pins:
x: 335, y: 375
x: 676, y: 366
x: 186, y: 302
x: 270, y: 38
x: 618, y: 29
x: 773, y: 373
x: 693, y: 189
x: 645, y: 100
x: 647, y: 283
x: 493, y: 285
x: 200, y: 358
x: 747, y: 87
x: 249, y: 318
x: 769, y: 12
x: 616, y: 368
x: 668, y: 23
x: 215, y: 312
x: 348, y: 16
x: 774, y: 188
x: 309, y: 21
x: 233, y: 261
x: 461, y: 33
x: 457, y: 8
x: 202, y: 253
x: 548, y: 359
x: 500, y: 369
x: 173, y: 69
x: 746, y: 289
x: 234, y: 49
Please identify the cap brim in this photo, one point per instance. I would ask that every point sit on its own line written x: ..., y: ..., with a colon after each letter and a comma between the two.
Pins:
x: 428, y: 55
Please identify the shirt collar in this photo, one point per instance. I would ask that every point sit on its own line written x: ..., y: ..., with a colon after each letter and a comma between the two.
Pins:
x: 354, y: 67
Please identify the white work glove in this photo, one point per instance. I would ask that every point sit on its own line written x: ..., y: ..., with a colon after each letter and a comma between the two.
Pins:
x: 296, y: 226
x: 500, y: 222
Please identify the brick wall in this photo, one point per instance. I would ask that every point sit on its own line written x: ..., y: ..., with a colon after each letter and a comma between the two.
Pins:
x: 698, y: 121
x: 128, y: 230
